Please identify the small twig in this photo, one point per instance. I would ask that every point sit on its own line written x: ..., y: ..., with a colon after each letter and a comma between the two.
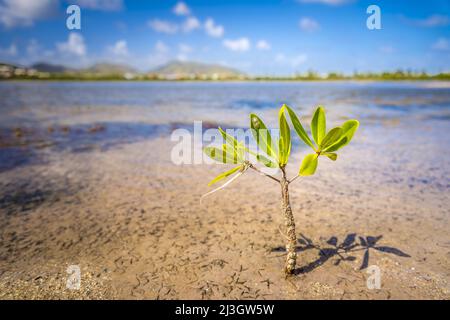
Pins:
x: 293, y: 179
x: 283, y: 233
x: 262, y: 173
x: 222, y: 186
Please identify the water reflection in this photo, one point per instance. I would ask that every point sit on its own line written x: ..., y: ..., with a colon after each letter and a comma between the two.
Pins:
x: 84, y: 116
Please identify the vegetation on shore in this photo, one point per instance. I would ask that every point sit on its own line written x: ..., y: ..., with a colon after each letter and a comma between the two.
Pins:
x: 191, y: 71
x: 385, y: 76
x: 364, y: 76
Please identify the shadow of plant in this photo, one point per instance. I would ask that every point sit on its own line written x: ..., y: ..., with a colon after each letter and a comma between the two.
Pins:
x: 370, y: 243
x: 341, y: 251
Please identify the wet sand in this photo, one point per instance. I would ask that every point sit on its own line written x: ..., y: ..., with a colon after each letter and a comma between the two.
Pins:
x: 86, y: 179
x: 133, y: 223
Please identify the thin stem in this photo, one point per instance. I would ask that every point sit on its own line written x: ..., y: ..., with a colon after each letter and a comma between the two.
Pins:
x: 262, y: 173
x: 291, y: 238
x: 281, y: 232
x: 293, y: 179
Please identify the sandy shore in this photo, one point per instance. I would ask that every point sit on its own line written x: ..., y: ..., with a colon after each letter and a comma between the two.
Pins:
x: 133, y: 223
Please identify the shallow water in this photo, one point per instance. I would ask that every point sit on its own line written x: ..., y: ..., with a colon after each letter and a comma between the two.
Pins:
x: 43, y: 103
x: 42, y: 117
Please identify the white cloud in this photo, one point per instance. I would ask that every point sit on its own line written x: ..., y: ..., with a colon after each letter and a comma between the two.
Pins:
x: 182, y: 57
x: 161, y: 47
x: 120, y: 49
x: 25, y: 12
x: 263, y: 45
x: 74, y: 46
x: 190, y: 24
x: 212, y: 29
x: 181, y: 9
x: 163, y: 26
x: 435, y: 20
x: 159, y: 55
x: 308, y: 24
x: 442, y: 44
x: 241, y: 44
x: 36, y: 52
x: 10, y: 51
x: 184, y: 48
x: 102, y: 5
x: 328, y: 2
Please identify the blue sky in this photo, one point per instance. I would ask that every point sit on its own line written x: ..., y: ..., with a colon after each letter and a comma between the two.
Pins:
x: 262, y: 37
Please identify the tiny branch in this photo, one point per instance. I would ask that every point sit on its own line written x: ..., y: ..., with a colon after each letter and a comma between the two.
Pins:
x: 222, y: 186
x: 262, y: 173
x: 281, y: 232
x: 293, y: 179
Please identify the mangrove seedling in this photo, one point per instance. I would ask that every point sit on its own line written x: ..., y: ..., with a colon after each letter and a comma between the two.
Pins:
x: 275, y: 154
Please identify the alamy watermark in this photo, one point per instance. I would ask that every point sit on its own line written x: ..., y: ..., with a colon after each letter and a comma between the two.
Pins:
x: 374, y: 279
x: 73, y: 21
x: 373, y: 22
x: 74, y: 280
x: 189, y: 145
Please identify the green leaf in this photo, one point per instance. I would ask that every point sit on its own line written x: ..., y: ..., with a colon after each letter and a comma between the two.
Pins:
x: 284, y: 143
x: 309, y: 165
x: 332, y: 136
x: 224, y: 175
x: 225, y: 155
x: 348, y: 130
x: 330, y: 155
x: 231, y: 153
x: 318, y: 125
x: 262, y: 135
x: 298, y: 127
x: 266, y: 161
x: 230, y: 140
x: 337, y: 145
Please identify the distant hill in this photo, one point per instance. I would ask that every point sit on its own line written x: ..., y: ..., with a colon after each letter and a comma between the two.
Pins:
x: 48, y: 67
x: 98, y: 68
x: 9, y: 65
x: 187, y: 69
x: 110, y: 68
x: 175, y: 70
x: 172, y: 70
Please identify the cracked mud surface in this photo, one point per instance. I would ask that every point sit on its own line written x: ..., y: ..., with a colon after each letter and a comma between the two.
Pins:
x: 139, y: 232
